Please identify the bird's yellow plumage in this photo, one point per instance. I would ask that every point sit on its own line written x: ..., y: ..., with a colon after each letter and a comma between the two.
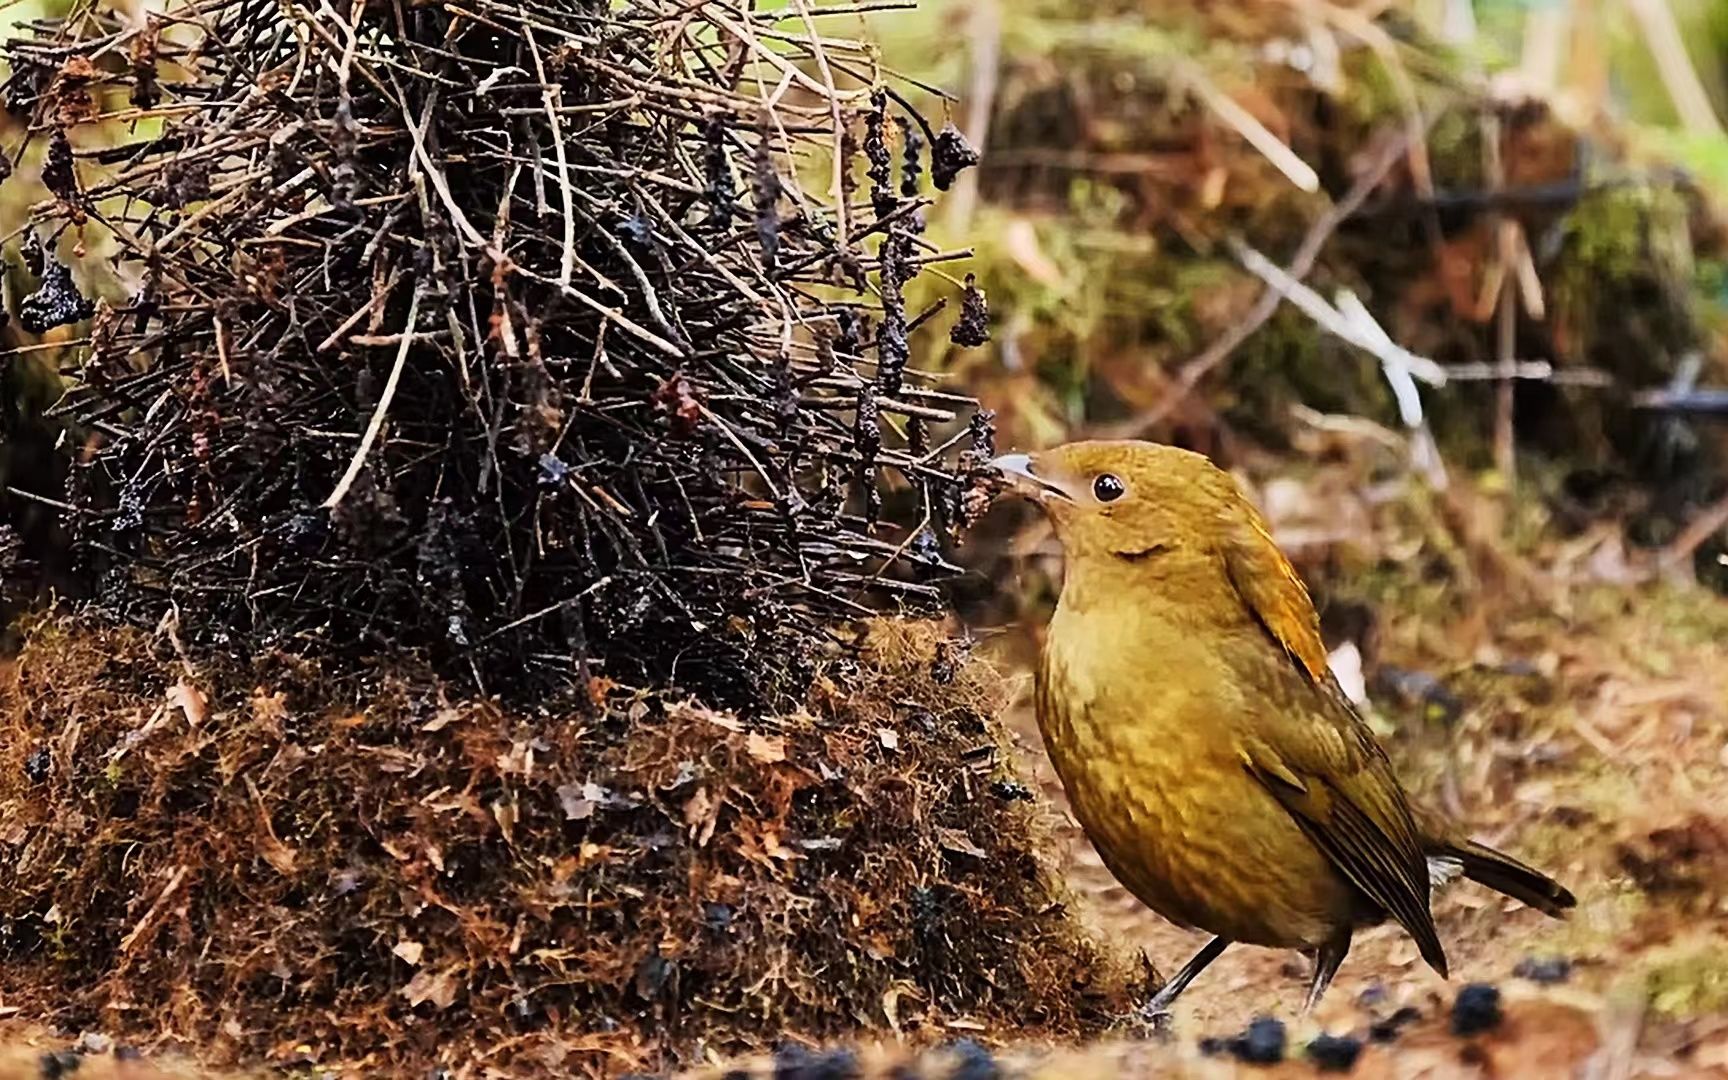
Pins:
x: 1206, y: 749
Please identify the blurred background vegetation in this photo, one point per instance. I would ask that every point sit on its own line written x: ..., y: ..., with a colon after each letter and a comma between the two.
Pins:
x: 1529, y: 187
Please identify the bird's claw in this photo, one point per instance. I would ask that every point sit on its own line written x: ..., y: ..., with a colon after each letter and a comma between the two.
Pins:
x: 1149, y: 1020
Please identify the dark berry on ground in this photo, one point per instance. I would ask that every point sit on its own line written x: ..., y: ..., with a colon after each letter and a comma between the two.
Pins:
x: 1389, y: 1028
x: 1544, y: 969
x: 1476, y: 1010
x: 1335, y: 1053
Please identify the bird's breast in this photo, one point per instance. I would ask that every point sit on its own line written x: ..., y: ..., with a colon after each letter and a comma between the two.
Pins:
x: 1140, y: 725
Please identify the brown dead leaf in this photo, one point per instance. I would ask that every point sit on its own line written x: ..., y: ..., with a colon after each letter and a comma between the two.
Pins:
x: 579, y: 800
x: 409, y: 952
x: 441, y: 720
x: 505, y: 811
x: 957, y: 841
x: 440, y: 989
x: 768, y: 749
x: 678, y: 398
x: 701, y: 814
x: 269, y: 709
x: 191, y: 701
x: 598, y: 687
x: 718, y: 719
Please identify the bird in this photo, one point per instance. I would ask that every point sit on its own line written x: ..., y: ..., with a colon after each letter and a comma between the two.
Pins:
x: 1207, y: 750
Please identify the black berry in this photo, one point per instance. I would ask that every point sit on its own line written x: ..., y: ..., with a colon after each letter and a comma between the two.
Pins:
x: 1262, y: 1043
x: 1335, y: 1053
x: 39, y: 765
x: 1476, y: 1010
x: 1389, y: 1028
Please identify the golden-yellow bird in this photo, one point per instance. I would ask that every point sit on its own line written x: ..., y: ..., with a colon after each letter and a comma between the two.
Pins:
x: 1206, y: 748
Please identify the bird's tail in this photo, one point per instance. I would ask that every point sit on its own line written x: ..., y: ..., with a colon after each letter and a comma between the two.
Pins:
x: 1503, y: 873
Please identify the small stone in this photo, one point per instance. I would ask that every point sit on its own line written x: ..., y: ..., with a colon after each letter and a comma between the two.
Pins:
x: 127, y: 1053
x: 92, y: 1042
x: 1335, y: 1053
x: 1476, y: 1010
x: 1544, y: 969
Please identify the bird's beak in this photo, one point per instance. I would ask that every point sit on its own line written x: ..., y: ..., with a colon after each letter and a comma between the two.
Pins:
x: 1019, y: 468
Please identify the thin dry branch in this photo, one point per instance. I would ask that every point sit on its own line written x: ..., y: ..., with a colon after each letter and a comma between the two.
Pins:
x: 579, y: 229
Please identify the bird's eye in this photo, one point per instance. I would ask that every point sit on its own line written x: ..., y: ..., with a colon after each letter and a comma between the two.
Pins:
x: 1108, y: 488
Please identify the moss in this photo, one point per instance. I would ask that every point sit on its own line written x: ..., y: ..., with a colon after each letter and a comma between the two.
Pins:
x: 1690, y: 980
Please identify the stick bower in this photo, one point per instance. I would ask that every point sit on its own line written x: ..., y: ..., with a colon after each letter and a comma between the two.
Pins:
x: 518, y: 335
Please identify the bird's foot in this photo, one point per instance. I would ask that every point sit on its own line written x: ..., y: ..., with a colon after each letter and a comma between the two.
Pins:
x: 1150, y: 1020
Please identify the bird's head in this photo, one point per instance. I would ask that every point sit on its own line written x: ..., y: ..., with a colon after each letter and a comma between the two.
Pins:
x: 1139, y: 521
x: 1129, y: 501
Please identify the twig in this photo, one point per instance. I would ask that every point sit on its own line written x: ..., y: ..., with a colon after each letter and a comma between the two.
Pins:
x: 1267, y: 303
x: 1674, y: 66
x: 376, y: 424
x: 1708, y: 523
x: 1272, y: 148
x: 551, y: 96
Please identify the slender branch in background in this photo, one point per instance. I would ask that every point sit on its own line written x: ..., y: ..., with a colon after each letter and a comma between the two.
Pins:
x: 1272, y: 148
x: 1546, y: 28
x: 1267, y: 304
x: 1701, y: 528
x: 1679, y: 76
x: 1363, y: 333
x: 1395, y: 365
x: 1501, y: 296
x: 984, y: 23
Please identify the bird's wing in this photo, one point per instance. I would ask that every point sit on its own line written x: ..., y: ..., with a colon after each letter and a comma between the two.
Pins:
x: 1338, y: 785
x: 1274, y: 593
x: 1328, y: 771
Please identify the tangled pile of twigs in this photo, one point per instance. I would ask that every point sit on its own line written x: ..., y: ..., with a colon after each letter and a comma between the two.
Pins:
x: 507, y: 331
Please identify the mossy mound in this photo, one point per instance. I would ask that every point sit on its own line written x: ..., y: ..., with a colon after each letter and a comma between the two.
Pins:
x: 269, y: 860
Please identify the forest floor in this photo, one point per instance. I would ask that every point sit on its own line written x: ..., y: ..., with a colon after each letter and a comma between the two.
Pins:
x: 1585, y: 730
x: 1590, y: 738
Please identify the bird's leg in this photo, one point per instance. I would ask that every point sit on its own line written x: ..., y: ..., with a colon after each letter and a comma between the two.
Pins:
x: 1326, y: 960
x: 1159, y: 1004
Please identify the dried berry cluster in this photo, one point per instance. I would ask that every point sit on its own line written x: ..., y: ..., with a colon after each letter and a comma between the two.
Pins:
x: 514, y: 333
